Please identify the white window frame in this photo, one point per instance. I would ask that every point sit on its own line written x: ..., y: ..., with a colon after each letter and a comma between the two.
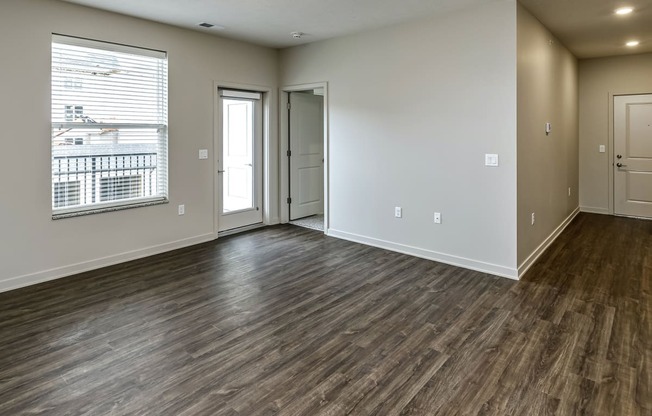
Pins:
x: 157, y: 194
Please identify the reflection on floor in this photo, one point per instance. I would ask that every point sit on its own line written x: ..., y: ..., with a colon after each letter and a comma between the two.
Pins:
x: 314, y: 222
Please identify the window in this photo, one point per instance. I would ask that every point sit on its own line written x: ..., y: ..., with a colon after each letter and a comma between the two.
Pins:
x: 74, y: 112
x: 74, y: 140
x: 121, y: 187
x: 109, y: 126
x: 66, y: 193
x: 71, y: 83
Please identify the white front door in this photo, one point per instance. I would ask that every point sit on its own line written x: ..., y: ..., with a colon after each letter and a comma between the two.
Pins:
x: 306, y: 154
x: 239, y: 164
x: 633, y: 155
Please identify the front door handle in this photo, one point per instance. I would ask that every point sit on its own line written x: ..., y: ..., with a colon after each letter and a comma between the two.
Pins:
x: 620, y: 165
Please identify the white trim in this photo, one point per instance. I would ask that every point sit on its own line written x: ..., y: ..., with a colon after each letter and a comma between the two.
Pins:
x: 634, y: 217
x: 270, y: 156
x: 283, y: 148
x: 100, y: 208
x: 59, y: 272
x: 107, y: 46
x: 527, y: 263
x: 249, y: 95
x: 595, y: 210
x: 611, y: 137
x: 242, y: 229
x: 471, y: 264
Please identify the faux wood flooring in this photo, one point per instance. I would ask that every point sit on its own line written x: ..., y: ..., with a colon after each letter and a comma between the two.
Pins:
x: 286, y: 321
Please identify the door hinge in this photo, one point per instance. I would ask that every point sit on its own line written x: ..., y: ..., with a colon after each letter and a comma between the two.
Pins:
x: 289, y: 200
x: 289, y: 153
x: 289, y: 106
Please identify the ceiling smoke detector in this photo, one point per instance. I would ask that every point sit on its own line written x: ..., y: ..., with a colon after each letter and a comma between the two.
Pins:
x: 297, y: 35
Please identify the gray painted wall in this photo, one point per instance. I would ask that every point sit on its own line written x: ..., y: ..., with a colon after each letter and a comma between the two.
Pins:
x: 33, y: 246
x: 547, y: 165
x: 600, y: 79
x: 412, y: 111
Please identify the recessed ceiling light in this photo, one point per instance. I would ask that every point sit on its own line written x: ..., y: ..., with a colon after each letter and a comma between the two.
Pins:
x: 297, y: 35
x: 632, y: 43
x: 624, y: 10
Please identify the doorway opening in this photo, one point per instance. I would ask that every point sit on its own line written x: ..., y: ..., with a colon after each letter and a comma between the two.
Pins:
x: 305, y: 173
x: 240, y: 160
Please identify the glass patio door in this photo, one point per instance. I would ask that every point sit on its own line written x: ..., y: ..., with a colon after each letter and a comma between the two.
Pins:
x: 240, y: 160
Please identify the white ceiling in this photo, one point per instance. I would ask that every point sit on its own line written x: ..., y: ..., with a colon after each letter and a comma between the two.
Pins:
x: 269, y: 22
x: 587, y: 27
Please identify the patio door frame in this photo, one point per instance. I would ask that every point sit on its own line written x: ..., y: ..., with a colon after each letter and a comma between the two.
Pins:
x: 268, y: 167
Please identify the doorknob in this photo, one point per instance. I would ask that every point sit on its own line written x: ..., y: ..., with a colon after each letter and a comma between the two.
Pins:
x: 220, y: 171
x: 620, y: 165
x: 619, y: 156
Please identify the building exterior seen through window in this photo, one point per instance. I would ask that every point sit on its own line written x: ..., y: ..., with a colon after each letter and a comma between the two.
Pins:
x: 109, y: 126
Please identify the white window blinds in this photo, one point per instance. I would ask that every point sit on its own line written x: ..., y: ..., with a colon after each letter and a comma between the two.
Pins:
x: 109, y: 126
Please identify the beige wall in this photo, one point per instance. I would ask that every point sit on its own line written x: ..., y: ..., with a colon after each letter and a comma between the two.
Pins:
x: 547, y: 165
x: 412, y: 111
x: 600, y: 79
x: 32, y: 246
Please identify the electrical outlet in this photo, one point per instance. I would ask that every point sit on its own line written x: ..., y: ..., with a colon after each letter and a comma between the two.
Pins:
x: 182, y: 209
x: 203, y: 154
x: 602, y: 148
x: 533, y: 218
x: 398, y: 212
x: 437, y: 218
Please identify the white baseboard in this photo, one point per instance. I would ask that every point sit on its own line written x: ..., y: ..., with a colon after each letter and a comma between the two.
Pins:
x: 595, y: 210
x: 59, y: 272
x: 527, y: 263
x: 476, y: 265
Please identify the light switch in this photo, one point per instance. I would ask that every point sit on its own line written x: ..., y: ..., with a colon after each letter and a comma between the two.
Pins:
x: 203, y: 153
x: 602, y: 148
x: 490, y: 159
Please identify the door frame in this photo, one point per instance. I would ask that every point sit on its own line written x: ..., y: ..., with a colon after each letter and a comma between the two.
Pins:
x: 284, y: 147
x: 269, y: 167
x: 611, y: 144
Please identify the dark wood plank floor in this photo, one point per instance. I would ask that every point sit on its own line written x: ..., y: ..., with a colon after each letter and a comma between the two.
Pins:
x: 286, y: 321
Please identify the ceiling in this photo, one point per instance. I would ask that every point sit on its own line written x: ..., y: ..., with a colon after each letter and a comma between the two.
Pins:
x: 588, y: 28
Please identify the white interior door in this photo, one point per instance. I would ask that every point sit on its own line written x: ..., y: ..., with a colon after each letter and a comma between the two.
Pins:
x: 633, y: 155
x: 240, y: 161
x: 306, y: 145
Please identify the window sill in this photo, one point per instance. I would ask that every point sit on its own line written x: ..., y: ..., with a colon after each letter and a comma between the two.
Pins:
x: 112, y: 208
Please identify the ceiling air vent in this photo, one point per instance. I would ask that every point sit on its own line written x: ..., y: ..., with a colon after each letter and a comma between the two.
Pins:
x: 206, y: 25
